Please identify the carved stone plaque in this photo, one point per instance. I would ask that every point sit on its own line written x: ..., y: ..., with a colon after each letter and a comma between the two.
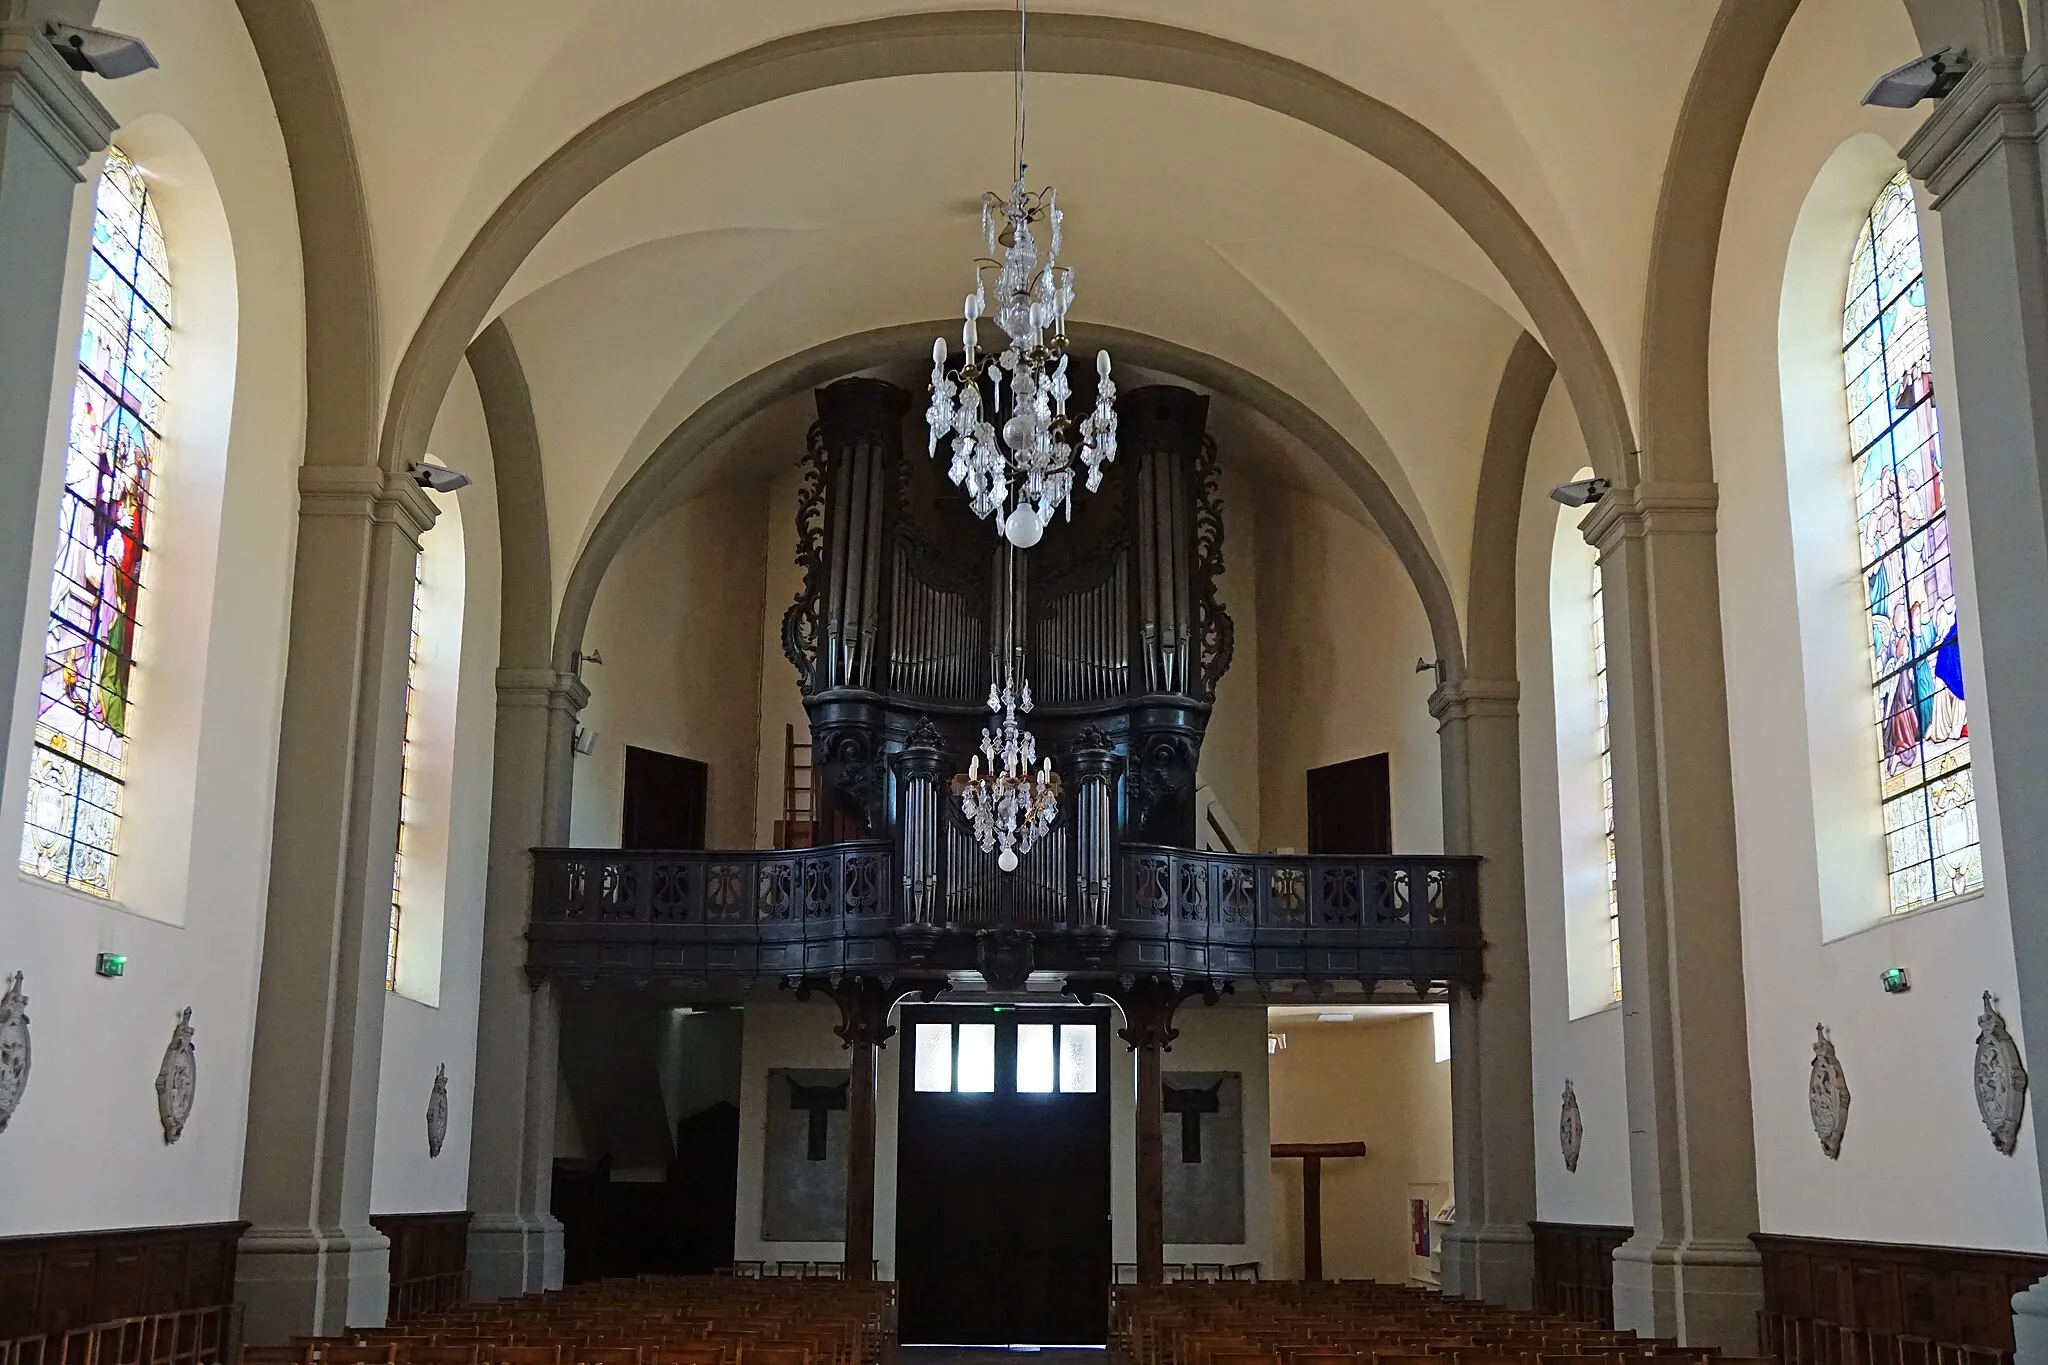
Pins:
x: 437, y: 1112
x: 14, y: 1050
x: 2001, y: 1078
x: 1827, y: 1095
x: 1571, y: 1127
x: 177, y: 1080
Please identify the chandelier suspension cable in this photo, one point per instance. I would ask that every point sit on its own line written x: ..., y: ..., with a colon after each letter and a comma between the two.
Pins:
x: 1023, y: 7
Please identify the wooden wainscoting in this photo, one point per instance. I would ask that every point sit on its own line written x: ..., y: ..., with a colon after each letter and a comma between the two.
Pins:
x: 1827, y: 1301
x: 429, y: 1260
x: 1575, y: 1269
x: 78, y: 1279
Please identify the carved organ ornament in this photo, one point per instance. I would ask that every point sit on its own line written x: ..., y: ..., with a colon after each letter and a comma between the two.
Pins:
x: 896, y: 633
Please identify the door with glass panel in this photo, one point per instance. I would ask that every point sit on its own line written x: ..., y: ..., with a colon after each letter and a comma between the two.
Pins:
x: 1002, y: 1186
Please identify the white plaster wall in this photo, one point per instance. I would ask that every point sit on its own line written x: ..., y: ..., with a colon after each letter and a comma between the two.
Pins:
x: 789, y: 1034
x: 676, y: 621
x: 84, y: 1150
x: 1586, y: 1050
x: 1916, y: 1165
x: 782, y: 703
x: 432, y: 1019
x: 1212, y: 1038
x: 1340, y: 629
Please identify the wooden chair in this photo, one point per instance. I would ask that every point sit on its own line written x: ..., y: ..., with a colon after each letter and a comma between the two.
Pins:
x: 607, y: 1354
x: 327, y: 1352
x: 522, y: 1355
x: 445, y: 1353
x: 696, y: 1354
x: 273, y: 1355
x: 774, y: 1353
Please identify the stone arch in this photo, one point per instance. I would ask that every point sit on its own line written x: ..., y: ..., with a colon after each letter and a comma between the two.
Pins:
x: 982, y: 40
x: 640, y: 493
x: 342, y: 370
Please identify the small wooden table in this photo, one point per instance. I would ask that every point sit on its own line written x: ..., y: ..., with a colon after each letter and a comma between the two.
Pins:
x: 1311, y: 1155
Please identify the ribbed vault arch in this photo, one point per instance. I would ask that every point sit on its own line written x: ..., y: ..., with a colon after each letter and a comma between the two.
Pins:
x: 639, y: 497
x: 983, y: 41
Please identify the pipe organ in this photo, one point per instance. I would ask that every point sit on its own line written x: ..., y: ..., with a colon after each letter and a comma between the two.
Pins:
x: 1124, y: 641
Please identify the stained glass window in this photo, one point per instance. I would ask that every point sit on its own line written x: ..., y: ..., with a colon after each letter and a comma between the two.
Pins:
x: 412, y: 680
x: 1606, y: 785
x: 70, y: 831
x: 1909, y: 591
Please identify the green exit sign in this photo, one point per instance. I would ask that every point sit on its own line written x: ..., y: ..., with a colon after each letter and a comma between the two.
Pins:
x: 1895, y: 980
x: 111, y: 964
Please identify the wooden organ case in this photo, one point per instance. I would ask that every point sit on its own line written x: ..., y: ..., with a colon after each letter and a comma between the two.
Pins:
x: 1123, y: 637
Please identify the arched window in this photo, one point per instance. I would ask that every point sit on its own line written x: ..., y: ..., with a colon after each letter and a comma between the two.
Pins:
x: 84, y: 713
x: 1595, y: 609
x: 1909, y: 592
x: 405, y: 776
x: 1585, y: 770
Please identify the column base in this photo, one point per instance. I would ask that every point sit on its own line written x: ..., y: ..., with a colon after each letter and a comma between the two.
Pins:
x: 514, y: 1253
x: 2030, y: 1325
x: 1496, y: 1263
x: 311, y: 1281
x: 1698, y: 1293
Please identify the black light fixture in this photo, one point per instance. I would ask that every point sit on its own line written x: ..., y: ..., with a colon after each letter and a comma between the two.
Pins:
x: 1580, y: 492
x: 100, y: 51
x: 1923, y: 78
x: 438, y: 478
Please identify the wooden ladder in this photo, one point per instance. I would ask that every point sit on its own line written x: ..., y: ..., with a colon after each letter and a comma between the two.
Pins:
x: 799, y: 823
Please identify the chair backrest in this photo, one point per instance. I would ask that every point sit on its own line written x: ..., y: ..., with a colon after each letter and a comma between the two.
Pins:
x: 606, y: 1355
x: 450, y: 1353
x: 774, y: 1353
x: 688, y: 1355
x: 273, y: 1355
x: 351, y: 1353
x: 523, y: 1355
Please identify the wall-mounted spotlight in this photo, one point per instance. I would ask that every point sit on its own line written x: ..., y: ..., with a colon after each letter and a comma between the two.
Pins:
x: 438, y: 478
x: 100, y: 51
x: 1923, y: 78
x: 589, y: 657
x: 585, y: 741
x: 1580, y: 492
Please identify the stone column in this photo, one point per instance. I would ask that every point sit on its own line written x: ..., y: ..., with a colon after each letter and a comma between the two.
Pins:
x: 311, y: 1262
x: 1489, y: 1252
x: 1980, y: 157
x: 515, y: 1243
x: 1690, y: 1271
x: 49, y: 127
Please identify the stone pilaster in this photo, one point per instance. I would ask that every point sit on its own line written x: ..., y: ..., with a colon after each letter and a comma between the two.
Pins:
x: 1690, y: 1271
x: 515, y: 1243
x: 1489, y: 1252
x: 1980, y: 155
x: 310, y: 1261
x: 49, y: 127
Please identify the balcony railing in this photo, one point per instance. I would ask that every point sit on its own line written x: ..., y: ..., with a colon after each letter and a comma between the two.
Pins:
x: 699, y: 918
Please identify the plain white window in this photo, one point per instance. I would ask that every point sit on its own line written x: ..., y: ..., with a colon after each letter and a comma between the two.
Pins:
x: 1077, y: 1059
x: 1035, y: 1070
x: 933, y: 1070
x: 977, y: 1051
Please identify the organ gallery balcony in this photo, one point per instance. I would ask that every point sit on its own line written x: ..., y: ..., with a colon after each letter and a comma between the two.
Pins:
x: 711, y: 924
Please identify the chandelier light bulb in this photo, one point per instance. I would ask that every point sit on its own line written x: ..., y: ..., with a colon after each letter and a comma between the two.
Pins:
x: 1007, y: 860
x: 1024, y: 528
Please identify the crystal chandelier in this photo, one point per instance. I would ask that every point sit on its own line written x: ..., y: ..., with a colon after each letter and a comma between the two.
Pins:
x: 1014, y: 451
x: 1009, y: 794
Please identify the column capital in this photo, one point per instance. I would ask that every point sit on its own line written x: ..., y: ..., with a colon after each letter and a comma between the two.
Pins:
x: 1473, y: 698
x: 366, y: 493
x: 542, y: 688
x: 1998, y: 101
x: 1649, y: 508
x: 49, y: 98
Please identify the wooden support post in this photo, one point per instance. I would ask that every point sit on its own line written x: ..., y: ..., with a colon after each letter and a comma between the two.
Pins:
x: 1311, y: 1155
x: 1148, y: 1004
x: 863, y: 1027
x: 1151, y: 1165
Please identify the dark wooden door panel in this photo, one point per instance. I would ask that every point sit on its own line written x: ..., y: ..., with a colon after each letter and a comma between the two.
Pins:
x: 1351, y: 807
x: 664, y: 801
x: 1003, y: 1199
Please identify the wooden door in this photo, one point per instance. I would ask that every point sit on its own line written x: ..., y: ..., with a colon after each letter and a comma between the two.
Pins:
x: 1002, y: 1195
x: 665, y: 797
x: 1351, y: 808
